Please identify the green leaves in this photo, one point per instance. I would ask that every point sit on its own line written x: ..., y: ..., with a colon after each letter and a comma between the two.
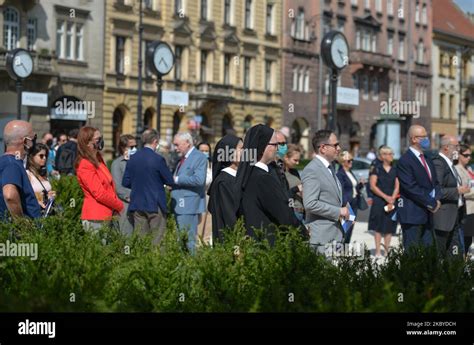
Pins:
x: 75, y: 271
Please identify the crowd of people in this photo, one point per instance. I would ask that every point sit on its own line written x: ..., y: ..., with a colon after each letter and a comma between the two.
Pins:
x: 255, y: 177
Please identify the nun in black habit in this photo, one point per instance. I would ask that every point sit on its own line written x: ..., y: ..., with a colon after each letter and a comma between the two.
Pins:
x: 261, y: 200
x: 221, y: 192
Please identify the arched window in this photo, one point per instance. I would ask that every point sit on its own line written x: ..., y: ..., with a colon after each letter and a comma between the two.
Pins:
x: 227, y: 126
x: 11, y: 27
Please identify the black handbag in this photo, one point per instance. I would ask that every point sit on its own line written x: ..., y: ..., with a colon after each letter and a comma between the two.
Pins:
x: 361, y: 202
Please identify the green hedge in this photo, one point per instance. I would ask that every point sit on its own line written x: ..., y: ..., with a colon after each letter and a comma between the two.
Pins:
x: 76, y: 271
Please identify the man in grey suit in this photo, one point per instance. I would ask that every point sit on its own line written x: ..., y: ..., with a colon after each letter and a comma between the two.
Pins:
x: 188, y: 194
x: 447, y: 220
x: 322, y: 193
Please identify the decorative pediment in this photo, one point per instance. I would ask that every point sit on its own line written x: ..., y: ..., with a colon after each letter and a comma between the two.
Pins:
x: 181, y: 27
x: 368, y: 20
x: 152, y: 32
x: 250, y: 49
x: 272, y: 53
x: 207, y: 31
x: 230, y: 36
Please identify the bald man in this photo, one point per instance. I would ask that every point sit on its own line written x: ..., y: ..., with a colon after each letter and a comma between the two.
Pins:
x: 448, y: 219
x: 17, y: 198
x: 419, y: 191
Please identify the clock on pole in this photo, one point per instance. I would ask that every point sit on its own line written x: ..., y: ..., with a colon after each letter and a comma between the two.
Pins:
x: 19, y: 65
x: 161, y: 61
x: 335, y: 54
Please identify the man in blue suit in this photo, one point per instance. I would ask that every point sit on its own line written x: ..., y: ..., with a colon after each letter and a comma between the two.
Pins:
x: 146, y: 174
x: 419, y: 191
x: 188, y: 194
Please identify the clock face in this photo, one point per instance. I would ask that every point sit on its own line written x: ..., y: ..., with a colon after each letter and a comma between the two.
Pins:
x: 339, y: 52
x: 22, y: 64
x: 163, y: 59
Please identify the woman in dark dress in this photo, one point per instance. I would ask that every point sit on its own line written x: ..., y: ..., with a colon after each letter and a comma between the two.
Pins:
x: 385, y: 188
x: 221, y: 193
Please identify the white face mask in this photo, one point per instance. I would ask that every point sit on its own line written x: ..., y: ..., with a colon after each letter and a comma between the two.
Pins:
x: 157, y: 150
x: 132, y: 151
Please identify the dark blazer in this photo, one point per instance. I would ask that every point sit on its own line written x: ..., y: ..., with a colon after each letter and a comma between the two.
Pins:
x: 415, y: 188
x: 346, y: 185
x: 145, y: 175
x: 446, y: 217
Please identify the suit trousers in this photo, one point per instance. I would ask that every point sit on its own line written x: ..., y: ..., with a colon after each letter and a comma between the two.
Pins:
x: 188, y: 223
x: 153, y: 223
x: 449, y: 242
x: 417, y: 235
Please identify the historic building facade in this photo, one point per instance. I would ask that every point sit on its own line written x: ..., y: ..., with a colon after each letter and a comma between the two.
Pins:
x: 227, y: 59
x: 453, y: 71
x: 65, y: 39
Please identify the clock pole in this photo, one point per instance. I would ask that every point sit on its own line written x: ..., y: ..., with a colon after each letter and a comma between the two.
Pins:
x: 18, y: 98
x: 159, y: 84
x: 333, y: 109
x: 140, y: 64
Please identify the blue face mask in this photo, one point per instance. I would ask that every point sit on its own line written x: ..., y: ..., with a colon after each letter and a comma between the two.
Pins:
x: 282, y: 150
x: 425, y: 143
x: 206, y: 154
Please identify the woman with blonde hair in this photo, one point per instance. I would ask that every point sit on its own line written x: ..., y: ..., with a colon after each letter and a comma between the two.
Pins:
x: 100, y: 198
x: 385, y: 188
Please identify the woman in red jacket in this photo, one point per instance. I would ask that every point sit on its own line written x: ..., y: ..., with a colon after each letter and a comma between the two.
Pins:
x: 100, y: 199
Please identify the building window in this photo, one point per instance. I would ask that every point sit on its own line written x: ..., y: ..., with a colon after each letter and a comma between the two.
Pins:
x: 120, y: 55
x: 148, y: 4
x: 300, y: 25
x: 10, y: 28
x: 374, y: 43
x: 326, y: 25
x: 375, y: 88
x: 378, y: 6
x: 354, y: 2
x: 227, y: 12
x: 367, y: 4
x: 247, y: 73
x: 366, y: 40
x: 390, y: 44
x: 357, y: 40
x: 401, y: 49
x: 69, y: 39
x: 178, y: 65
x: 60, y: 51
x: 420, y: 52
x: 306, y: 81
x: 452, y: 66
x: 340, y: 25
x: 31, y: 33
x: 401, y: 10
x: 301, y: 79
x: 79, y: 42
x: 204, y: 10
x: 424, y: 17
x: 227, y: 59
x: 441, y: 106
x: 355, y: 81
x: 365, y: 87
x: 248, y: 14
x: 269, y: 22
x: 268, y: 75
x: 417, y: 13
x: 452, y: 107
x: 390, y: 7
x: 178, y: 7
x: 203, y: 74
x: 295, y: 79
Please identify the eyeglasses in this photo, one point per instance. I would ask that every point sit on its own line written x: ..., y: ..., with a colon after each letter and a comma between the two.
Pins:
x: 132, y: 147
x: 282, y: 143
x: 465, y: 155
x: 333, y: 145
x: 273, y: 144
x: 349, y: 160
x: 42, y: 156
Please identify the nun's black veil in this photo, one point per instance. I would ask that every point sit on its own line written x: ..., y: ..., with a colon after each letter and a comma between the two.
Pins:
x: 222, y: 157
x: 256, y: 140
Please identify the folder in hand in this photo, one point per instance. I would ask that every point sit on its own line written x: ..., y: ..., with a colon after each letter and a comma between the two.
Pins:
x: 346, y: 224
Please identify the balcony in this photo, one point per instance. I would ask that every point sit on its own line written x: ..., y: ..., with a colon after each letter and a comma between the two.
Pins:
x: 214, y: 90
x: 371, y: 59
x: 422, y: 68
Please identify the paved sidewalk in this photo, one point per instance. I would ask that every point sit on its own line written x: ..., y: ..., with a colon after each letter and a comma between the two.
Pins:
x: 362, y: 235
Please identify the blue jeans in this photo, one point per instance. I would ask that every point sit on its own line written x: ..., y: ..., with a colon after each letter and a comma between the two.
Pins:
x: 417, y: 235
x: 188, y: 223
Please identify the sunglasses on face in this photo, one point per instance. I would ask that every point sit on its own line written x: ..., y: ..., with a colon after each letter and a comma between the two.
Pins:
x: 465, y: 155
x: 132, y: 147
x: 274, y: 144
x: 333, y: 145
x: 349, y: 160
x: 42, y: 156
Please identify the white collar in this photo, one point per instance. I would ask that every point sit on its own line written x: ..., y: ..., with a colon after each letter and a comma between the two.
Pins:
x: 189, y: 152
x: 230, y: 171
x: 262, y: 166
x: 449, y: 161
x: 415, y: 151
x: 323, y: 160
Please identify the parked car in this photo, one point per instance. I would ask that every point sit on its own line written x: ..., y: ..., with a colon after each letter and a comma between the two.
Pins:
x: 361, y: 167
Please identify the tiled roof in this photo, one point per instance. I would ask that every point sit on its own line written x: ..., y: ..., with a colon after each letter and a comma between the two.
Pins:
x: 450, y: 19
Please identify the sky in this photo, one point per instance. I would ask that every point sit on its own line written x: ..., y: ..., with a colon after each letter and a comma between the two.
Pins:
x: 466, y: 5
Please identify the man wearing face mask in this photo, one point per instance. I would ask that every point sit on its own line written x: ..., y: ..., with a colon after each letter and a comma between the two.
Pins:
x: 66, y: 155
x: 146, y: 174
x: 17, y: 198
x: 420, y: 192
x: 448, y: 219
x: 276, y: 167
x: 127, y: 148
